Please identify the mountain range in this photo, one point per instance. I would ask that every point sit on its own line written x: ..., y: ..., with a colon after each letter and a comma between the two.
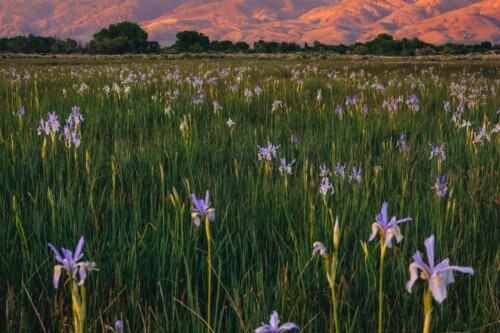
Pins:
x: 327, y: 21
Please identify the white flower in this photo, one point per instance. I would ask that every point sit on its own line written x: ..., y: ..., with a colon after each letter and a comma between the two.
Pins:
x: 320, y: 248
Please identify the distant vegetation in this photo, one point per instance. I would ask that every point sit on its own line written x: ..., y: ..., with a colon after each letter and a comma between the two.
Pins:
x: 128, y: 37
x: 124, y: 37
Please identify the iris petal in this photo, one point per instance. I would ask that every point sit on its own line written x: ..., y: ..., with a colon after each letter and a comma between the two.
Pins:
x: 414, y: 267
x: 207, y: 199
x: 437, y: 285
x: 274, y: 321
x: 78, y: 250
x: 375, y: 228
x: 466, y: 270
x: 58, y: 255
x: 429, y: 245
x: 398, y: 235
x: 287, y: 327
x: 417, y: 257
x: 264, y: 329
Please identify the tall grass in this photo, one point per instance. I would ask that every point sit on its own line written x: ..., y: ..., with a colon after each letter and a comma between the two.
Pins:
x: 127, y: 190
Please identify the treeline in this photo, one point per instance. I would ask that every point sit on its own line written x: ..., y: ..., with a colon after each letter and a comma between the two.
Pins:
x: 120, y: 38
x: 128, y: 37
x: 37, y: 44
x: 383, y: 44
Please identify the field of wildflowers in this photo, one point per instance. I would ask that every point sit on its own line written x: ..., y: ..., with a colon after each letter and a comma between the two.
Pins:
x: 213, y: 195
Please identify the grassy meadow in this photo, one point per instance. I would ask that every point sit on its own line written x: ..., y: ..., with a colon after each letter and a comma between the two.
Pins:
x: 151, y: 136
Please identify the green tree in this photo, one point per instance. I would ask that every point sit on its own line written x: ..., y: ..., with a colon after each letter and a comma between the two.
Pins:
x: 222, y: 46
x: 124, y: 37
x: 285, y: 47
x: 241, y: 47
x: 153, y: 47
x: 273, y: 46
x: 341, y: 48
x: 226, y: 46
x: 3, y: 44
x: 390, y: 47
x: 261, y: 47
x: 486, y: 45
x: 191, y: 41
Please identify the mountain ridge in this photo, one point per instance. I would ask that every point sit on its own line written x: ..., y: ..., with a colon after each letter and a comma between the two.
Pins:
x: 327, y: 21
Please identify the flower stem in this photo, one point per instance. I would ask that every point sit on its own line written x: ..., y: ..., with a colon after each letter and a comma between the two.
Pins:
x: 427, y: 310
x: 381, y: 290
x: 78, y: 306
x: 334, y: 296
x: 209, y: 261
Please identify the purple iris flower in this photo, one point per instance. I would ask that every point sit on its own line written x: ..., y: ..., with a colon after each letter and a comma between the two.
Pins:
x: 413, y: 102
x: 438, y: 151
x: 197, y: 101
x: 71, y: 132
x: 269, y: 152
x: 273, y: 325
x: 355, y: 174
x: 202, y: 209
x: 402, y: 143
x: 339, y: 170
x: 258, y: 90
x: 295, y: 139
x: 248, y: 94
x: 76, y: 139
x: 440, y: 186
x: 365, y: 109
x: 325, y: 187
x: 21, y: 111
x: 119, y: 326
x: 54, y: 123
x: 387, y: 229
x: 70, y: 263
x: 392, y: 106
x: 338, y: 110
x: 482, y: 134
x: 286, y: 168
x: 439, y: 276
x: 43, y: 128
x: 324, y: 172
x: 76, y: 116
x: 447, y: 106
x: 51, y: 126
